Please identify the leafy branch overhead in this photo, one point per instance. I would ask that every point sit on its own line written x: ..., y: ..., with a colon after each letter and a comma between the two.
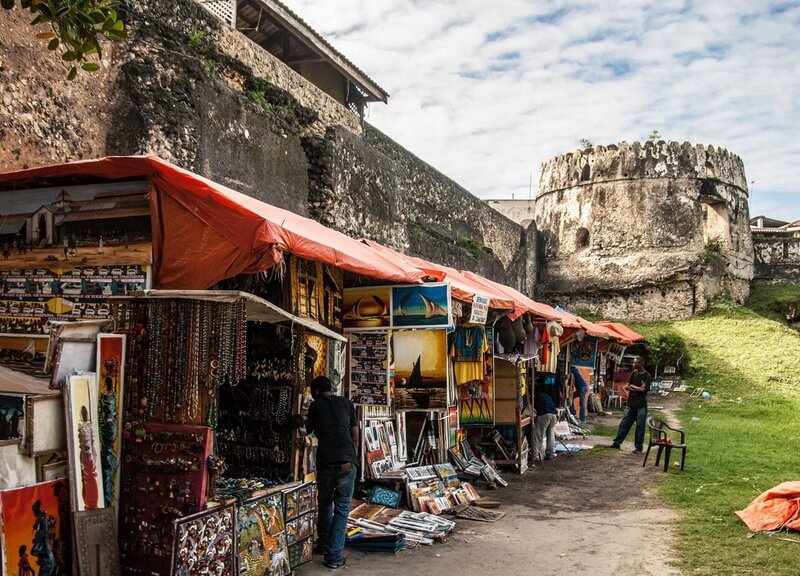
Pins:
x: 78, y: 27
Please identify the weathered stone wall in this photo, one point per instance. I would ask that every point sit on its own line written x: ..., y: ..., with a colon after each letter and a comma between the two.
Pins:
x: 372, y: 187
x: 191, y: 90
x: 777, y: 259
x: 644, y: 231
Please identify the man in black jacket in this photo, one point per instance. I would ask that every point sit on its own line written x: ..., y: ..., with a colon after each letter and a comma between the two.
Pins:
x: 332, y: 419
x: 636, y: 410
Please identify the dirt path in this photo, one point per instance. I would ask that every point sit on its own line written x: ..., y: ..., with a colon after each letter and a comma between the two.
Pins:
x: 590, y: 514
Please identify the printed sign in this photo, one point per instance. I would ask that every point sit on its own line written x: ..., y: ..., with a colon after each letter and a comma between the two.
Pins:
x: 480, y: 310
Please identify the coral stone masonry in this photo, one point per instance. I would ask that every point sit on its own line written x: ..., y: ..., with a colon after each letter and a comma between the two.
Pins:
x: 644, y: 231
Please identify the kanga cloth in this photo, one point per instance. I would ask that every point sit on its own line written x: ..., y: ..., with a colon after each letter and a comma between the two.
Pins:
x: 776, y: 509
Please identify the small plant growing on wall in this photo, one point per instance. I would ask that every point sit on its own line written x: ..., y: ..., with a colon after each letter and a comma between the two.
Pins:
x: 77, y: 28
x: 712, y: 250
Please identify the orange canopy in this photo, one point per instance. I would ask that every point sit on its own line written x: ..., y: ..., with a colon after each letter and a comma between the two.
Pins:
x: 625, y: 334
x: 461, y: 287
x: 204, y: 232
x: 776, y: 509
x: 522, y: 303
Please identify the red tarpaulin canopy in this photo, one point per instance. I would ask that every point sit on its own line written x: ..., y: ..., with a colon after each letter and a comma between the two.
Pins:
x: 626, y: 335
x: 204, y: 232
x: 461, y: 287
x: 522, y: 303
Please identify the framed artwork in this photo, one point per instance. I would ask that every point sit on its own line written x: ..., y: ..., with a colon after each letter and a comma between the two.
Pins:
x: 83, y: 445
x: 36, y: 529
x: 420, y: 367
x: 51, y: 467
x: 367, y: 308
x: 301, y: 552
x: 261, y: 538
x: 95, y: 539
x: 319, y: 345
x: 72, y: 356
x: 204, y: 543
x: 12, y: 418
x: 369, y: 368
x: 583, y: 353
x: 110, y: 378
x: 421, y: 306
x: 44, y: 424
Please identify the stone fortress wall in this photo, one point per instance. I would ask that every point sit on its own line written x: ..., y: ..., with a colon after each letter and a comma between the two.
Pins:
x: 777, y: 260
x: 643, y: 231
x: 190, y: 89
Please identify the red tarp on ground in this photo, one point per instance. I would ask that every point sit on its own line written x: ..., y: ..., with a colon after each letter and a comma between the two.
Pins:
x: 204, y: 232
x: 461, y: 287
x: 775, y: 509
x: 627, y: 336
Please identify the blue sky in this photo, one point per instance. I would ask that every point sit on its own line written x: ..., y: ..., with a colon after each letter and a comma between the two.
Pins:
x: 487, y: 91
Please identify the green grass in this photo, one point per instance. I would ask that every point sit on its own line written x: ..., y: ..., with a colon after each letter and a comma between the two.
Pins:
x: 740, y: 444
x: 609, y: 430
x: 780, y: 302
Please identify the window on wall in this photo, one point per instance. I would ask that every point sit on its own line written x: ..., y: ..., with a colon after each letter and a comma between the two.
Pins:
x: 582, y: 239
x: 785, y: 250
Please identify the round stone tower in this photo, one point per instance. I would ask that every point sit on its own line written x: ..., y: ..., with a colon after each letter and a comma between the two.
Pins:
x: 643, y: 231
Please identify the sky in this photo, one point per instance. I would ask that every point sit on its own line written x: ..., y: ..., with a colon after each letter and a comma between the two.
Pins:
x: 487, y: 91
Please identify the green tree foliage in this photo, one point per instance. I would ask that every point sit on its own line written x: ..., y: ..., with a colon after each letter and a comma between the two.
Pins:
x: 77, y: 28
x: 669, y: 349
x: 654, y: 136
x: 586, y: 144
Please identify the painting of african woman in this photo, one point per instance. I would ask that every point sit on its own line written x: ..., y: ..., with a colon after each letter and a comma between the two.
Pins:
x: 35, y: 529
x: 83, y: 442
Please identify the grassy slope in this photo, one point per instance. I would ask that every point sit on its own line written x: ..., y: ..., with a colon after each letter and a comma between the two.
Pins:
x: 741, y: 443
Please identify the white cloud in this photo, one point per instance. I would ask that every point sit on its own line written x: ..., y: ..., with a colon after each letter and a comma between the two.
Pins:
x: 486, y: 91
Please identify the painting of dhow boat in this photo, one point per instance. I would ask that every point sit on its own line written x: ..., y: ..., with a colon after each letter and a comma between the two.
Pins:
x: 420, y: 366
x: 367, y: 308
x: 421, y: 306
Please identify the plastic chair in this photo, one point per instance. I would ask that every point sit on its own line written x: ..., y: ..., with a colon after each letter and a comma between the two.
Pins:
x: 661, y: 438
x: 613, y: 398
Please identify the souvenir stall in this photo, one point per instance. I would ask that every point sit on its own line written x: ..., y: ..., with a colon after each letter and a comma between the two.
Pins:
x: 399, y: 373
x: 215, y: 383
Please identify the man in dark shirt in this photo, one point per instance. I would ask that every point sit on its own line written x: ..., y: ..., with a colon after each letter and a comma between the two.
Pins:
x: 332, y: 419
x: 546, y: 418
x: 636, y: 410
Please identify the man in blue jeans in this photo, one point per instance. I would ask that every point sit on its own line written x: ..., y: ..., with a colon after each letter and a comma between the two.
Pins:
x: 333, y: 420
x: 636, y: 410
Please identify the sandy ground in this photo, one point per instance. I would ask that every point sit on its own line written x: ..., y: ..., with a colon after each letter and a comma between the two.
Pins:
x: 592, y: 514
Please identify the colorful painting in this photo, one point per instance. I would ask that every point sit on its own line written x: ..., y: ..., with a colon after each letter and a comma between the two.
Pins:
x: 110, y: 376
x: 420, y: 367
x: 476, y: 399
x: 301, y: 552
x: 583, y: 353
x: 36, y: 529
x: 367, y: 308
x: 83, y: 442
x: 421, y: 306
x: 12, y: 417
x: 369, y: 368
x: 317, y: 348
x: 204, y: 544
x: 261, y: 538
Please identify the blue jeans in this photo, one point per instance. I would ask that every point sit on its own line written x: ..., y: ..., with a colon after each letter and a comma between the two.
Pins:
x: 637, y: 415
x: 335, y: 490
x: 581, y: 391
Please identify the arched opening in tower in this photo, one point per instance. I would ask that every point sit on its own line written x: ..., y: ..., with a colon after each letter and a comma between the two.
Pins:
x: 716, y: 224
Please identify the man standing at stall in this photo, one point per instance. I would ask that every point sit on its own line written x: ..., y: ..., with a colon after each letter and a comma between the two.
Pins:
x: 332, y: 419
x: 636, y: 410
